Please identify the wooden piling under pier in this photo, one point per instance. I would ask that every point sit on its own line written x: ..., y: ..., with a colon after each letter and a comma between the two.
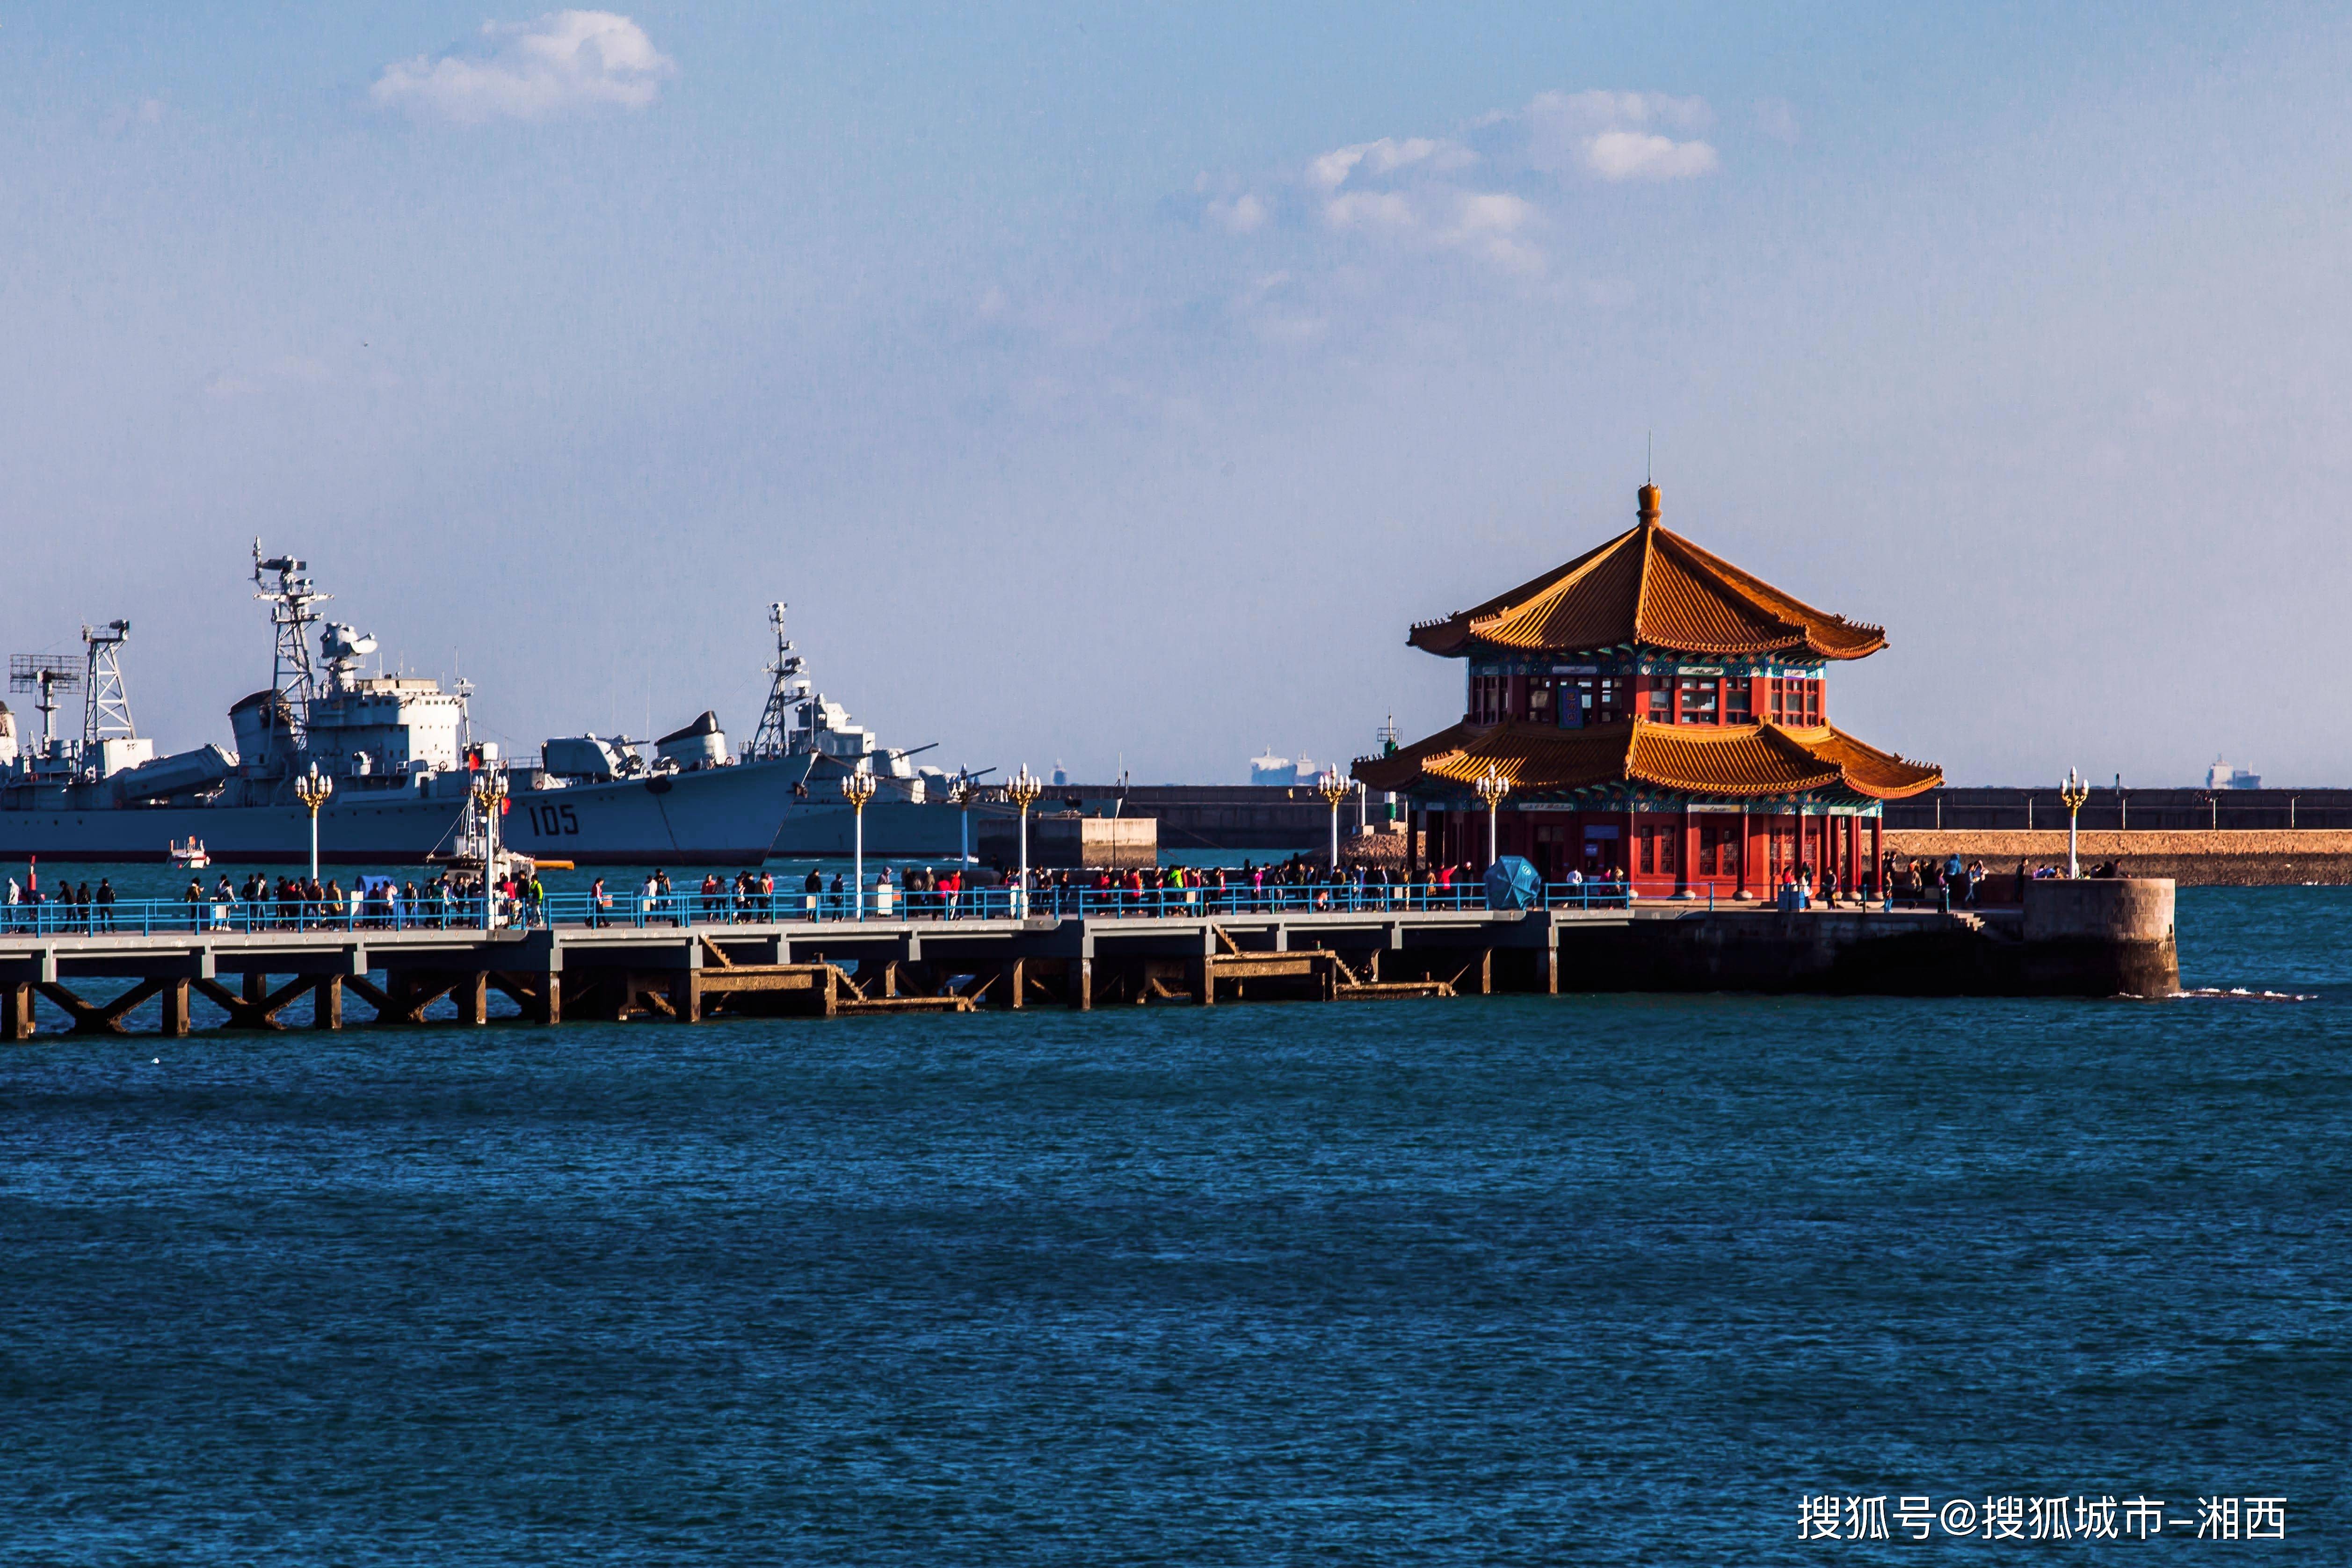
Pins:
x: 2084, y: 941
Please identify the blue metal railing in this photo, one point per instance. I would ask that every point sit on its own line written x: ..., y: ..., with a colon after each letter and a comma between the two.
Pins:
x: 430, y: 911
x: 149, y: 917
x: 728, y: 907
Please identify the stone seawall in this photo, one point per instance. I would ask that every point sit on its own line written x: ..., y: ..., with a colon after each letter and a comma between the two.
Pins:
x: 2229, y: 858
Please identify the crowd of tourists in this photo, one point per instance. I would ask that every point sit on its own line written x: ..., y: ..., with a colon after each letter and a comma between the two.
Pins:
x: 261, y: 902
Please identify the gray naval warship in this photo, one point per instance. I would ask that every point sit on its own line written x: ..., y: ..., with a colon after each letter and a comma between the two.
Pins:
x: 809, y: 740
x: 396, y: 749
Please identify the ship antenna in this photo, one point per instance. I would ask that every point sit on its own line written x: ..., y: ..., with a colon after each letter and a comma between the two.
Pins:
x: 290, y: 602
x: 106, y: 702
x: 772, y: 740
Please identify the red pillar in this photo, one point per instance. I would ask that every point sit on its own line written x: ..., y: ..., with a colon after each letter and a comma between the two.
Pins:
x: 1877, y: 846
x: 1741, y: 892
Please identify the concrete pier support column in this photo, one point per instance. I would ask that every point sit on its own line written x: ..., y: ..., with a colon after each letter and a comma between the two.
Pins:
x: 1203, y: 981
x: 176, y: 1007
x: 472, y: 994
x: 1081, y: 984
x: 1016, y: 982
x: 327, y: 1002
x: 256, y: 986
x: 685, y: 995
x: 17, y: 1021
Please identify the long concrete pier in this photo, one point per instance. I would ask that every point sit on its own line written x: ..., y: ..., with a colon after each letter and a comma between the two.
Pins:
x: 2079, y: 938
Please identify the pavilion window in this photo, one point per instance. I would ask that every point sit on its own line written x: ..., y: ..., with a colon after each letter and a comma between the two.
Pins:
x: 1487, y: 698
x: 1699, y: 704
x: 1718, y: 846
x: 1736, y: 703
x: 1539, y: 699
x: 1659, y: 855
x: 1609, y: 705
x: 1812, y: 696
x: 1662, y: 702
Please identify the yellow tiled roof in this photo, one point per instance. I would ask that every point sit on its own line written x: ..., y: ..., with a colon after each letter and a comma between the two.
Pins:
x: 1736, y: 760
x: 1651, y: 586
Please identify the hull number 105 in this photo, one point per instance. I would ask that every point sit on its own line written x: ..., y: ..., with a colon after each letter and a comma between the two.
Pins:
x: 552, y: 821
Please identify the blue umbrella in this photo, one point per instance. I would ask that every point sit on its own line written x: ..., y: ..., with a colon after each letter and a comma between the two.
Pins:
x: 1512, y: 884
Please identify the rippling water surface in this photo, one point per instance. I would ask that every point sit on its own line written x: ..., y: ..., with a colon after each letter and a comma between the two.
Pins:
x: 1520, y: 1280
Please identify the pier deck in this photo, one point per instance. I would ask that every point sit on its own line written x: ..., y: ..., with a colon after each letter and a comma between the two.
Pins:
x: 272, y: 979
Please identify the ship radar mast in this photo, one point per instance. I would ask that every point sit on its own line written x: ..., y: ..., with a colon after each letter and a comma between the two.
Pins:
x: 290, y: 613
x: 106, y: 701
x: 786, y: 687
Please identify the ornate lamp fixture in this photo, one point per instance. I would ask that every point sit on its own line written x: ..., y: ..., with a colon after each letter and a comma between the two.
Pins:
x: 1333, y: 789
x: 1023, y: 790
x: 858, y: 788
x: 313, y: 790
x: 2072, y: 794
x: 1492, y: 786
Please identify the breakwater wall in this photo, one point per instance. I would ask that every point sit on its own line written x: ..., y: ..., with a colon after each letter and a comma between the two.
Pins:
x: 2228, y: 859
x: 2151, y: 810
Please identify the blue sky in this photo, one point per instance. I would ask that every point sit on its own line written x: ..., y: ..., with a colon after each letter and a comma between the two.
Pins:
x: 1118, y: 385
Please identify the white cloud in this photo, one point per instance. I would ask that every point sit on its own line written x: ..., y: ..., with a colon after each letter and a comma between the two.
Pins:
x: 1386, y: 156
x: 1492, y: 190
x: 1244, y: 214
x: 1638, y: 156
x: 1488, y: 222
x: 1615, y: 135
x: 1369, y: 209
x: 564, y: 62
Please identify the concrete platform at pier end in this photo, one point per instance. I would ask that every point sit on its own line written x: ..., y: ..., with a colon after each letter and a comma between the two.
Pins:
x: 2069, y: 939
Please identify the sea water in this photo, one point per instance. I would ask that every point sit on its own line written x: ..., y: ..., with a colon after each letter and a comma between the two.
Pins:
x: 1524, y: 1280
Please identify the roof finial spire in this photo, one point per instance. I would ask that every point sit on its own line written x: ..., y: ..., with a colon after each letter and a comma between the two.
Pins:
x: 1649, y: 449
x: 1648, y: 499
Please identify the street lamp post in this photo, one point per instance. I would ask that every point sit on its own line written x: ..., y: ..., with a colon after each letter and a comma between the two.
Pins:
x: 1492, y: 786
x: 1023, y: 791
x: 858, y: 788
x: 313, y: 790
x: 2072, y: 794
x: 489, y: 790
x: 960, y: 796
x: 1333, y: 789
